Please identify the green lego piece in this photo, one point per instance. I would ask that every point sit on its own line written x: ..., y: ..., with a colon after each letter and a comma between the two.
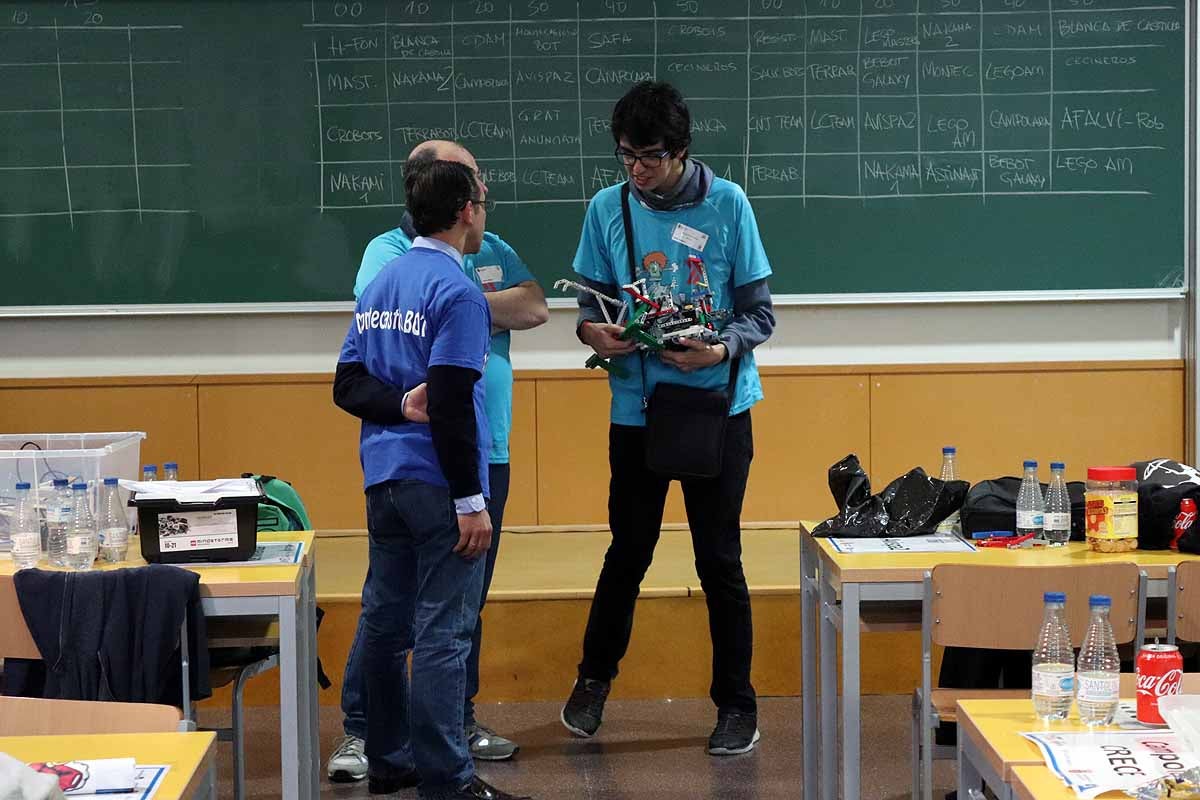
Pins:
x: 595, y: 361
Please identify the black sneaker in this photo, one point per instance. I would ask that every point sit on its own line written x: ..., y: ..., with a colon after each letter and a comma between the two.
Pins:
x: 479, y: 789
x: 390, y: 784
x: 736, y: 732
x: 585, y: 707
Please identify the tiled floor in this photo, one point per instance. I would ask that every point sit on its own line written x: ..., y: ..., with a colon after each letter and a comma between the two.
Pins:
x: 646, y: 749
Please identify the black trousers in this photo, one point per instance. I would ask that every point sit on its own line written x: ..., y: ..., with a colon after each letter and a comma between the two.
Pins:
x: 635, y: 510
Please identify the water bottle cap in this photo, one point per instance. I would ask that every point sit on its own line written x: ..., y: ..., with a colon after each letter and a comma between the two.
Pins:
x: 22, y: 485
x: 949, y: 451
x: 170, y: 465
x: 150, y: 468
x: 1057, y: 465
x: 79, y: 487
x: 110, y: 481
x: 60, y: 482
x: 1054, y: 597
x: 1100, y: 601
x: 1030, y: 463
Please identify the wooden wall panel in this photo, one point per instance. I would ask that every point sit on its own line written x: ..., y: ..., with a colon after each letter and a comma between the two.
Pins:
x: 998, y: 419
x: 166, y: 413
x: 805, y: 424
x: 572, y: 439
x: 521, y: 508
x: 292, y: 430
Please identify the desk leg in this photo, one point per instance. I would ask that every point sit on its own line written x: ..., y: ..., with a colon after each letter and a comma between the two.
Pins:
x: 808, y: 662
x: 968, y: 773
x: 309, y: 688
x: 829, y: 747
x: 851, y: 695
x: 291, y: 670
x: 974, y: 771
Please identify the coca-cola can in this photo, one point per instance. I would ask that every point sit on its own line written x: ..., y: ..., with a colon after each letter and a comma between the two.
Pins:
x: 1183, y: 521
x: 1159, y: 674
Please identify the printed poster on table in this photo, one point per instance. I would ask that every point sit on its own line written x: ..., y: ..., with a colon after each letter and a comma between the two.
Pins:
x: 939, y: 543
x: 1092, y: 763
x: 108, y: 778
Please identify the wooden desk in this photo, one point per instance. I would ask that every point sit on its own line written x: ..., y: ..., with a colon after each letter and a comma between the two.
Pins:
x: 835, y: 588
x: 191, y: 756
x: 990, y: 744
x: 286, y: 592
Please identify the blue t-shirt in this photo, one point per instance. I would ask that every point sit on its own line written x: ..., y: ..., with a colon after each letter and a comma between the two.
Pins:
x: 496, y: 266
x: 722, y: 232
x: 421, y: 314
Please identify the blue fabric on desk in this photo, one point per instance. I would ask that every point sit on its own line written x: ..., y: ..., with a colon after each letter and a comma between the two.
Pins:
x: 114, y: 634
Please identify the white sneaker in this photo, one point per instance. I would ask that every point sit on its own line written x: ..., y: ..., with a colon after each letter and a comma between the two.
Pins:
x: 349, y: 761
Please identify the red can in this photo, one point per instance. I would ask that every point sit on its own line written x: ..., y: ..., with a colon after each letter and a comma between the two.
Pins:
x: 1159, y: 674
x: 1183, y: 520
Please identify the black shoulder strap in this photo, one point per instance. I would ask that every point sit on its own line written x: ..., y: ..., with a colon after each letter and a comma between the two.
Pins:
x: 627, y: 218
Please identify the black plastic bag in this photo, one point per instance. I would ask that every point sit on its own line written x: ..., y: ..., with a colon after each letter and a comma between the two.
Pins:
x: 912, y: 504
x: 992, y: 506
x: 1162, y: 483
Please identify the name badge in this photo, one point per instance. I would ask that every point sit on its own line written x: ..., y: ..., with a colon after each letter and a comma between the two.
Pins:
x: 490, y: 277
x: 688, y: 236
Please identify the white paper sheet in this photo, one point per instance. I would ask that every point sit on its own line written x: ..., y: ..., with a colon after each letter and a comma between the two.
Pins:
x: 1092, y: 763
x: 939, y: 543
x: 192, y: 491
x: 266, y: 554
x: 93, y: 778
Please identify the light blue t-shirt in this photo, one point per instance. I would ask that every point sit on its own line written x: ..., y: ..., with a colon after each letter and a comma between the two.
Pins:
x: 722, y: 232
x: 496, y: 266
x: 420, y: 314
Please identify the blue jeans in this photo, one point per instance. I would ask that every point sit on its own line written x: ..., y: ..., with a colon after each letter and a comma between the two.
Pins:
x: 354, y: 703
x: 423, y: 598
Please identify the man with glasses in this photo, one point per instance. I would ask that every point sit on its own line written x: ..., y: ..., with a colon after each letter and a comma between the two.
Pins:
x: 693, y: 234
x: 423, y: 321
x: 516, y: 303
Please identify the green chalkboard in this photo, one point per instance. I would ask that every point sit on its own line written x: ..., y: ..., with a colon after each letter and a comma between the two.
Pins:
x: 210, y: 152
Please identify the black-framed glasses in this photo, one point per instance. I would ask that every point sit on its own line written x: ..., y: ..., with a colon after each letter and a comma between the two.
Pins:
x: 649, y: 160
x: 488, y: 205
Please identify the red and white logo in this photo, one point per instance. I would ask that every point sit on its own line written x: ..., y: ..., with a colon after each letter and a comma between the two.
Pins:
x: 1169, y: 683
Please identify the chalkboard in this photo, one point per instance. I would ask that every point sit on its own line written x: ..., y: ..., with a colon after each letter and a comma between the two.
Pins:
x: 210, y: 152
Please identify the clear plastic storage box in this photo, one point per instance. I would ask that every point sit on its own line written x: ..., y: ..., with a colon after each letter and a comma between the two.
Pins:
x: 39, y: 458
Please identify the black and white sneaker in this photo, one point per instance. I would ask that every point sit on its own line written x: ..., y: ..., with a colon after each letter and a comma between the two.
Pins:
x: 736, y: 732
x: 585, y: 707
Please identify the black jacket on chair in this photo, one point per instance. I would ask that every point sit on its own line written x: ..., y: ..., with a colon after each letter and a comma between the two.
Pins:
x: 114, y: 634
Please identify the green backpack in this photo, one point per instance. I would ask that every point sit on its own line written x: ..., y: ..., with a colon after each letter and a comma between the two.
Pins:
x: 281, y: 508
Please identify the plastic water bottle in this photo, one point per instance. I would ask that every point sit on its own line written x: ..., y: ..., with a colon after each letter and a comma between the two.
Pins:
x: 58, y: 518
x: 111, y: 523
x: 81, y: 534
x: 150, y: 472
x: 1053, y: 662
x: 951, y: 523
x: 1057, y: 520
x: 26, y: 531
x: 1030, y: 509
x: 1099, y: 666
x: 170, y: 471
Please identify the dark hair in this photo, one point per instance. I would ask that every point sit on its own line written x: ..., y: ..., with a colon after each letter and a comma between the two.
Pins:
x: 420, y: 158
x: 436, y: 192
x: 650, y: 112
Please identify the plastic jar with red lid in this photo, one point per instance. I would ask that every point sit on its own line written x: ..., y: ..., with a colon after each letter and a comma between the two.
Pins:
x: 1111, y: 514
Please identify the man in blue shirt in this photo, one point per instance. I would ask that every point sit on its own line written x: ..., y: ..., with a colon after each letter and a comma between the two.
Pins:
x: 516, y: 302
x: 423, y: 322
x: 682, y: 217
